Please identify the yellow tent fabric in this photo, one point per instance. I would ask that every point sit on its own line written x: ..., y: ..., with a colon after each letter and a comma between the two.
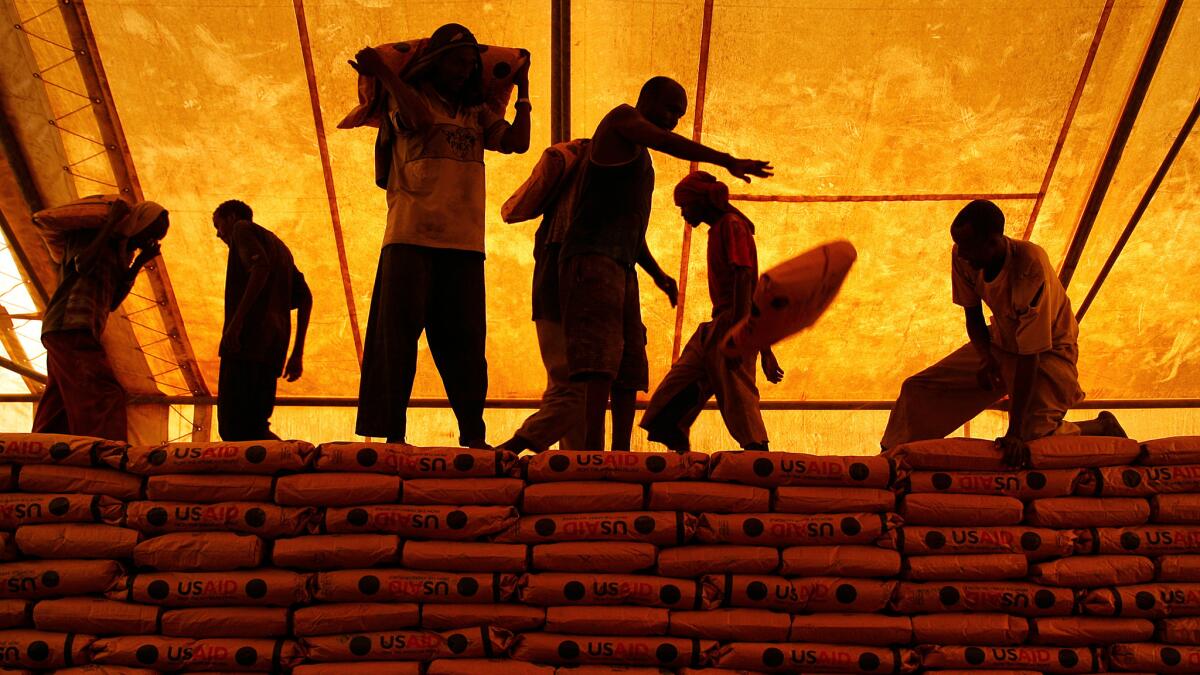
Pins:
x: 881, y: 118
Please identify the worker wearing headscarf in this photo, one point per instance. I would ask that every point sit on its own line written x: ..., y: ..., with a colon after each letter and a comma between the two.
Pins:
x: 701, y: 370
x: 98, y: 269
x: 1029, y: 353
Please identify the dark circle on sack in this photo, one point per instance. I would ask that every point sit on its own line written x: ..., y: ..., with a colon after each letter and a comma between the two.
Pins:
x: 483, y: 48
x: 59, y: 451
x: 859, y: 471
x: 50, y: 579
x: 670, y: 594
x: 522, y: 51
x: 458, y: 643
x: 464, y: 462
x: 255, y: 454
x: 1043, y: 599
x: 656, y: 464
x: 367, y: 457
x: 360, y: 645
x: 1035, y: 480
x: 753, y: 527
x: 560, y: 463
x: 457, y: 520
x: 846, y: 594
x: 949, y: 595
x: 644, y: 524
x: 942, y: 481
x: 157, y: 516
x: 773, y: 657
x: 38, y: 650
x: 147, y: 655
x: 501, y: 70
x: 256, y: 517
x: 763, y: 467
x: 1031, y: 541
x: 246, y: 656
x: 357, y: 517
x: 1067, y: 658
x: 974, y: 656
x: 756, y: 590
x: 574, y: 591
x: 256, y: 588
x: 401, y: 47
x: 851, y: 526
x: 157, y: 457
x: 568, y: 649
x: 368, y: 585
x: 1170, y: 656
x: 158, y: 590
x: 545, y: 527
x: 1144, y: 600
x: 868, y: 662
x: 1130, y: 541
x: 779, y: 302
x: 468, y: 586
x: 59, y: 506
x: 935, y: 539
x: 1131, y: 478
x: 666, y: 653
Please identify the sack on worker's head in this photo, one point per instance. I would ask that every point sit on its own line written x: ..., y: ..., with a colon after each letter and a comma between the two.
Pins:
x: 690, y: 562
x: 336, y: 551
x: 199, y: 552
x: 581, y: 497
x: 56, y: 223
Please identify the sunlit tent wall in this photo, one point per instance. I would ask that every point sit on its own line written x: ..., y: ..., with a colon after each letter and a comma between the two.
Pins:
x: 881, y: 118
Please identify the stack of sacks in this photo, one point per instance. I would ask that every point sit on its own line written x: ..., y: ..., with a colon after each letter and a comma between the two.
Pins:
x: 1165, y: 487
x: 402, y: 571
x: 201, y: 594
x: 822, y: 608
x: 1004, y: 546
x: 61, y: 540
x: 605, y: 530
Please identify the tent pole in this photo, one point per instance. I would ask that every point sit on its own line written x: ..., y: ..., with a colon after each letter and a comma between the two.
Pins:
x: 1136, y: 217
x: 87, y: 55
x: 24, y: 371
x: 560, y: 71
x: 1120, y: 137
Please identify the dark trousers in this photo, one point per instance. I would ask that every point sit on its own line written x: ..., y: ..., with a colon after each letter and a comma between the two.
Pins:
x: 82, y: 396
x: 245, y: 400
x: 439, y: 292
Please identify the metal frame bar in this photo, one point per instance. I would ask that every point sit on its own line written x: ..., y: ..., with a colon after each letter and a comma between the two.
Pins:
x: 91, y: 68
x: 335, y: 215
x: 946, y: 197
x: 560, y: 71
x: 1143, y: 204
x: 1120, y: 138
x: 685, y: 249
x: 1080, y: 84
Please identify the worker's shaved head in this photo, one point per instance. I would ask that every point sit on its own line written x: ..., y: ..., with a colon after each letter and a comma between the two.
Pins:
x: 978, y: 233
x: 662, y: 101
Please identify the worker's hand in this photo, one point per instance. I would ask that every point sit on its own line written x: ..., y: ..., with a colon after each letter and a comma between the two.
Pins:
x: 744, y: 168
x: 1015, y: 451
x: 147, y: 253
x: 368, y: 62
x: 668, y: 286
x: 294, y: 368
x: 521, y: 77
x: 989, y: 375
x: 771, y: 368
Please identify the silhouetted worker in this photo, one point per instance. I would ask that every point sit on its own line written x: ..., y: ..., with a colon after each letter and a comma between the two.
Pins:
x: 701, y: 371
x: 82, y: 395
x: 430, y: 275
x: 1029, y: 354
x: 262, y: 287
x: 606, y: 341
x: 559, y: 417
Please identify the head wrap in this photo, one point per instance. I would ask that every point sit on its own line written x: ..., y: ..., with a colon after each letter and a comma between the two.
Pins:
x: 141, y: 216
x: 703, y: 189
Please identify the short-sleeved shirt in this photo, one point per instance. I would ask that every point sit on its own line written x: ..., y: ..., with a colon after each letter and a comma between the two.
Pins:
x: 730, y: 246
x: 1031, y: 312
x: 268, y: 325
x: 436, y: 188
x: 611, y: 210
x: 84, y: 301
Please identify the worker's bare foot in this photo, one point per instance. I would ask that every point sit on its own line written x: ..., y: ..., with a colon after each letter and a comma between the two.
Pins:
x: 1111, y: 426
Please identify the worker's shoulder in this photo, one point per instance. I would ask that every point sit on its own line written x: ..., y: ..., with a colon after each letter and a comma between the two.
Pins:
x: 1030, y: 260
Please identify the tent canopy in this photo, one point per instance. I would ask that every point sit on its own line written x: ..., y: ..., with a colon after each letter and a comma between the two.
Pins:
x: 881, y: 117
